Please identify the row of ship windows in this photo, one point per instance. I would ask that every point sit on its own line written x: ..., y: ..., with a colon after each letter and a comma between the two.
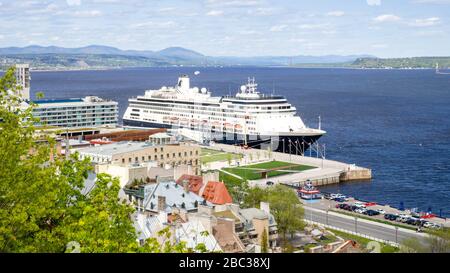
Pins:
x: 215, y: 109
x: 211, y: 112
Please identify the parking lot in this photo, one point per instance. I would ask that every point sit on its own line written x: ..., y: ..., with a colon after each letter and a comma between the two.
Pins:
x: 380, y: 213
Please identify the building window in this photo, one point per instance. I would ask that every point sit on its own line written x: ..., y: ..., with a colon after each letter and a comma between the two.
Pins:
x: 156, y: 157
x: 136, y: 159
x: 191, y: 153
x: 156, y: 150
x: 162, y: 149
x: 167, y: 156
x: 143, y: 158
x: 185, y: 153
x: 123, y: 160
x: 162, y: 156
x: 196, y: 152
x: 173, y: 155
x: 179, y: 154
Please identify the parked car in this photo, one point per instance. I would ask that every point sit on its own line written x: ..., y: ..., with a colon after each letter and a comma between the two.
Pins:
x: 371, y: 212
x: 436, y: 226
x: 390, y: 216
x: 403, y: 218
x: 327, y: 196
x: 412, y: 221
x: 428, y: 224
x: 270, y: 183
x: 360, y: 210
x: 360, y: 204
x: 338, y: 199
x: 381, y: 211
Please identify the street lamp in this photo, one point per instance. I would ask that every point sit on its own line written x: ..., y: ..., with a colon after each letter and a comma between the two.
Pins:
x: 356, y: 225
x: 327, y: 218
x: 396, y: 235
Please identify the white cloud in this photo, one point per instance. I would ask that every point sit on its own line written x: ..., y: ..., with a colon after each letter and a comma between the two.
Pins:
x: 373, y: 2
x: 379, y: 46
x: 278, y: 28
x: 428, y: 22
x: 432, y: 1
x: 2, y: 37
x: 106, y: 1
x: 151, y: 24
x: 88, y: 13
x: 387, y: 18
x: 234, y: 3
x: 314, y: 26
x: 214, y: 13
x: 297, y: 40
x: 73, y: 2
x: 51, y: 8
x: 336, y: 13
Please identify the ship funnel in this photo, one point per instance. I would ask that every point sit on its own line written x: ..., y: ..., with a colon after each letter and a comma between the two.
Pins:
x: 183, y: 82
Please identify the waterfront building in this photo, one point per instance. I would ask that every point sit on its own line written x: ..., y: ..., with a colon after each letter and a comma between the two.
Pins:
x: 85, y: 112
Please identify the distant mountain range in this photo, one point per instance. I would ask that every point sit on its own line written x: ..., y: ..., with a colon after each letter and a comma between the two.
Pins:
x: 98, y: 56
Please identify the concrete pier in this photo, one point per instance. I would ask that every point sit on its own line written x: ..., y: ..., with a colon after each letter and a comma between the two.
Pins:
x: 326, y: 171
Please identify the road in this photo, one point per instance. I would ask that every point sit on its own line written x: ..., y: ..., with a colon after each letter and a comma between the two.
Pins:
x: 362, y: 226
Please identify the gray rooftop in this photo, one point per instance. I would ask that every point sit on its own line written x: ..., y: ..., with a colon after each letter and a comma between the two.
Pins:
x: 116, y: 148
x: 254, y: 213
x: 175, y: 195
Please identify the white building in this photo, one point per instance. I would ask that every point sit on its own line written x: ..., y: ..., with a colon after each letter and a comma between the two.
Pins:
x: 23, y: 79
x: 90, y: 111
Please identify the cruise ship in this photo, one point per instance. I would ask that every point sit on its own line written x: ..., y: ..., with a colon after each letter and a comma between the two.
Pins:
x: 249, y: 118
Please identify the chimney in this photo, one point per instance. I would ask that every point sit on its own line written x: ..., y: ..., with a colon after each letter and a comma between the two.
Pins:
x: 186, y: 185
x: 265, y: 207
x: 161, y: 203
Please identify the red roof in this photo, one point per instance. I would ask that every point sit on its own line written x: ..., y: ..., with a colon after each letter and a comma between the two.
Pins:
x: 216, y: 193
x: 195, y: 182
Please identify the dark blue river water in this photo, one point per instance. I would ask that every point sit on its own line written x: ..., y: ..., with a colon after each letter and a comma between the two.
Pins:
x: 396, y: 122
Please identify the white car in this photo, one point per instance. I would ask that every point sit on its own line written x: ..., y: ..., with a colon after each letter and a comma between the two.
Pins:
x: 360, y: 204
x: 427, y: 224
x: 381, y: 211
x: 436, y: 226
x: 402, y: 218
x: 360, y: 210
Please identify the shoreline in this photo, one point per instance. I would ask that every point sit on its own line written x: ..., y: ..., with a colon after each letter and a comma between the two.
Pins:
x: 232, y: 66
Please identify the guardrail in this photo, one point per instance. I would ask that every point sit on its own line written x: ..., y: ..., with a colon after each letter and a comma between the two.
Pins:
x: 354, y: 233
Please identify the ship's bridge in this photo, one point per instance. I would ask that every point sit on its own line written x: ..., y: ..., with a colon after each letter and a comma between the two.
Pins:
x: 181, y: 90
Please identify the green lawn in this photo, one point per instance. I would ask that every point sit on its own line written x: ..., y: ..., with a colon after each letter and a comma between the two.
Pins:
x: 247, y: 172
x: 208, y: 155
x: 363, y: 241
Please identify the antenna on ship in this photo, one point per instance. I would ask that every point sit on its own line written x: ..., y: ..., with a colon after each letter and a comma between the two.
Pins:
x: 320, y: 123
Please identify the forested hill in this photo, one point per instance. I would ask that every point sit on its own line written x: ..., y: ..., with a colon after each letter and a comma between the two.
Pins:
x: 414, y: 62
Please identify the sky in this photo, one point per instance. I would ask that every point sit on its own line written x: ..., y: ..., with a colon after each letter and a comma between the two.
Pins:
x: 384, y: 28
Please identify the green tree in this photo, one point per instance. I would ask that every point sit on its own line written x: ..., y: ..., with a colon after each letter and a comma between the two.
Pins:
x: 284, y: 204
x: 264, y: 241
x: 39, y: 95
x: 42, y: 208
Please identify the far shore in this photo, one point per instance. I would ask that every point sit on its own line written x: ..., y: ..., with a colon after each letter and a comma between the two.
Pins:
x: 231, y: 66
